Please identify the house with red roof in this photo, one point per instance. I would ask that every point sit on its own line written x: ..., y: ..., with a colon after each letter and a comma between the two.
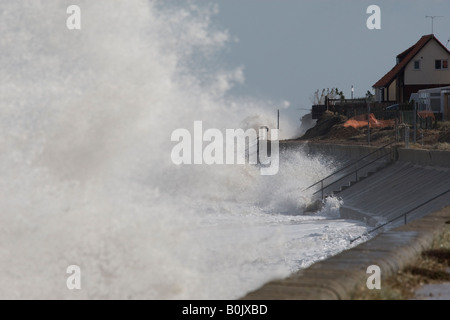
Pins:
x: 423, y: 65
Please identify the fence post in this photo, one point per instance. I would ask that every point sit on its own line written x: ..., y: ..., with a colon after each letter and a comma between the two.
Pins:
x: 396, y: 130
x: 368, y: 123
x: 406, y: 137
x: 415, y: 124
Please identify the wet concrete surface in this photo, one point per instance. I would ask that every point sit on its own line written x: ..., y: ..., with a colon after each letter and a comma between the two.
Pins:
x: 337, y: 277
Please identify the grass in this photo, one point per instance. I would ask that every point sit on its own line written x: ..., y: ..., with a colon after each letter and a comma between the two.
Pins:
x: 436, y: 138
x: 431, y: 267
x: 441, y: 146
x: 443, y: 125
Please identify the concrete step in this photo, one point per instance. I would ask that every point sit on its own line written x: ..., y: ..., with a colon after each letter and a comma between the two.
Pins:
x: 360, y: 178
x: 398, y: 188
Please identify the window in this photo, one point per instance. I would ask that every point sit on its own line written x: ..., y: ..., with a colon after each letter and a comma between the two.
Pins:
x: 441, y: 64
x: 417, y: 65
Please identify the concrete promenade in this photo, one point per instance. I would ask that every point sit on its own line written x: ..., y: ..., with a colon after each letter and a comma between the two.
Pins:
x: 412, y: 178
x: 337, y: 277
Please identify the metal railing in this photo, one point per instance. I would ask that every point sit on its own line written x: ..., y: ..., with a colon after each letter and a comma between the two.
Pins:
x: 403, y: 215
x: 355, y: 163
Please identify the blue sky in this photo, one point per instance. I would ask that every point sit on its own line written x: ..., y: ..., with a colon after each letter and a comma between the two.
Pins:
x: 290, y: 48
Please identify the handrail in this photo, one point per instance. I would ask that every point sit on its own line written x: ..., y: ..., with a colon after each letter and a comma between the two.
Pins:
x: 349, y: 165
x: 405, y: 215
x: 356, y: 170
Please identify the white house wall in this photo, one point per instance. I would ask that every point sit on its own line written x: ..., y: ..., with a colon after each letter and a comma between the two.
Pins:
x: 427, y: 73
x: 393, y: 91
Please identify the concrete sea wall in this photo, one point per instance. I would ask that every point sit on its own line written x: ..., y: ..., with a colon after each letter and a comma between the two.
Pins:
x: 394, y: 189
x: 353, y: 152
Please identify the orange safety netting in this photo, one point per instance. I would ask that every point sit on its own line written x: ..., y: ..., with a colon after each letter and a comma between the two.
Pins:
x: 360, y: 121
x: 426, y: 114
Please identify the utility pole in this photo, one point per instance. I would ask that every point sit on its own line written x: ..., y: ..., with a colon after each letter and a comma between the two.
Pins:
x: 432, y: 22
